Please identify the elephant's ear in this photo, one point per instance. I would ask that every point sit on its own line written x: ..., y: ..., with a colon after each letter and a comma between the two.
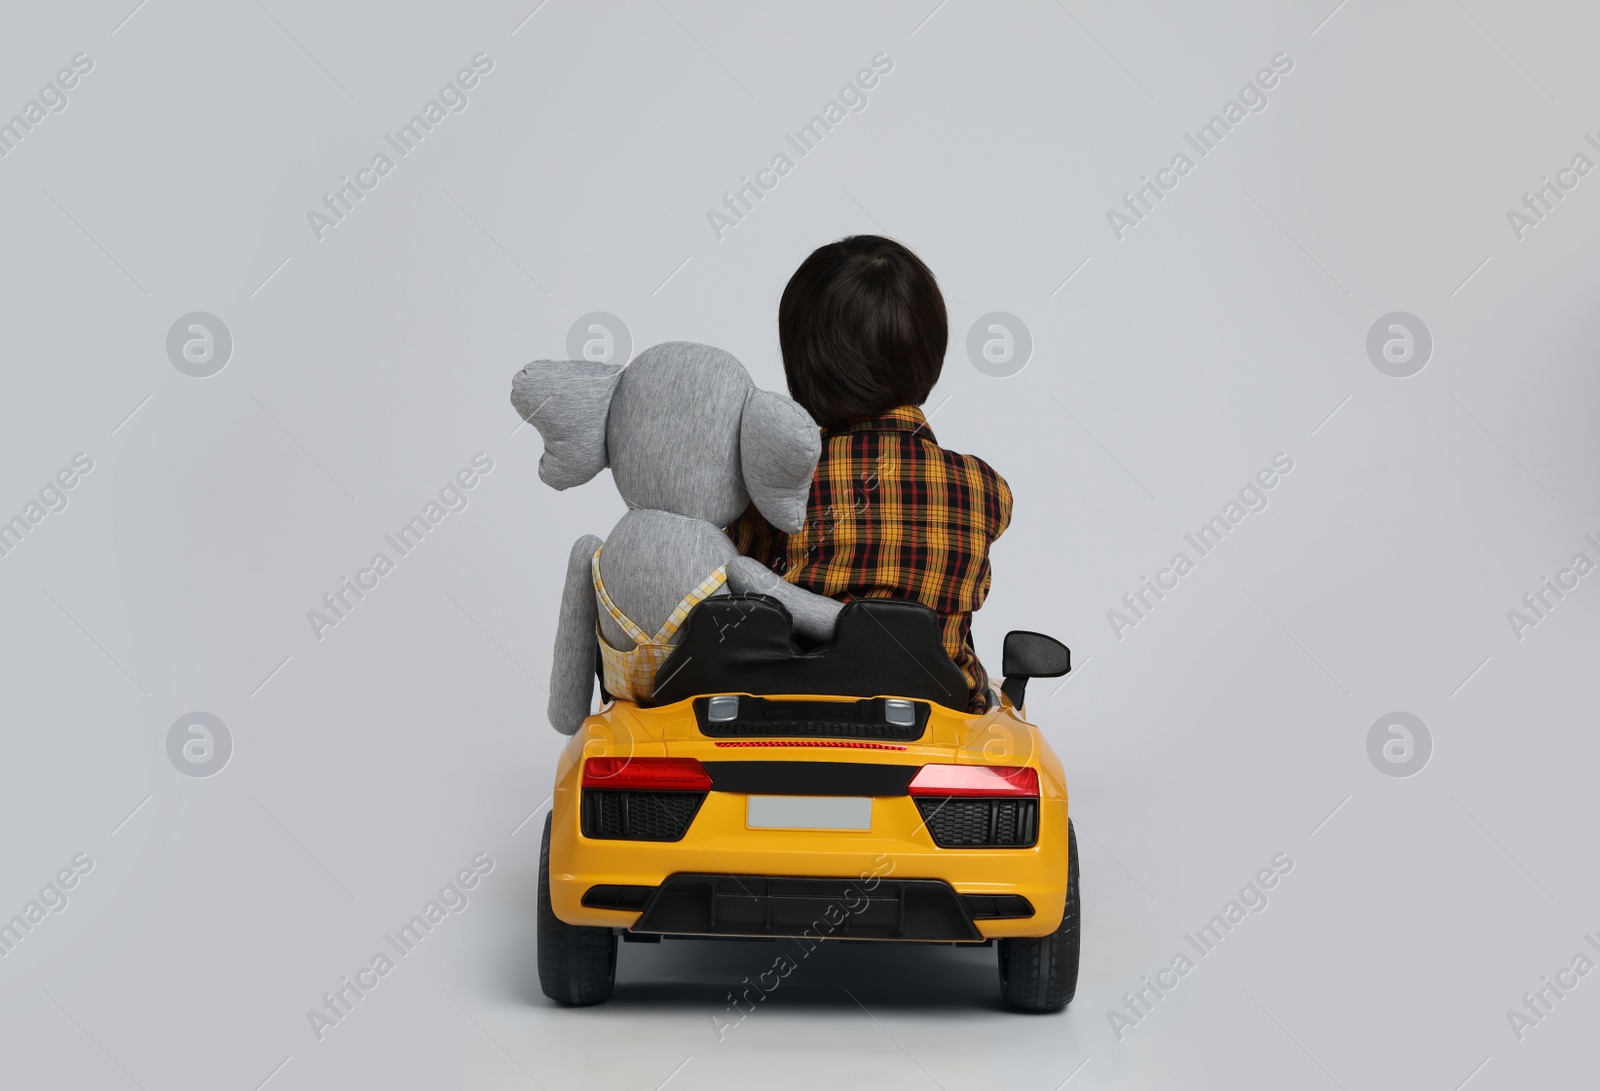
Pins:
x: 567, y: 401
x: 778, y: 450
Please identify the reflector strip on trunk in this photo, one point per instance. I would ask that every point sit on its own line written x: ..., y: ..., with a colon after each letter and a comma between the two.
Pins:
x: 834, y: 743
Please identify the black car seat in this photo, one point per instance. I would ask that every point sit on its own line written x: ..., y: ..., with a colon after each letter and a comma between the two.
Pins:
x: 747, y: 644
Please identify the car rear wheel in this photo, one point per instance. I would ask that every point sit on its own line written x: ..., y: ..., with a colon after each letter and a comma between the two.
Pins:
x: 1041, y: 973
x: 576, y: 965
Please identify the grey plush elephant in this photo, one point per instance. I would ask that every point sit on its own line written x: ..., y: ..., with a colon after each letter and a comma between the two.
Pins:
x: 691, y: 443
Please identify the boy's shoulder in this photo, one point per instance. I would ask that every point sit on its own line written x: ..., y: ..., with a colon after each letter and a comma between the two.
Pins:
x: 988, y: 488
x: 971, y: 467
x: 976, y: 466
x: 986, y: 493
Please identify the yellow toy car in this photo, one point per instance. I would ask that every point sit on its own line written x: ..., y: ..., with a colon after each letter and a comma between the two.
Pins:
x: 829, y: 793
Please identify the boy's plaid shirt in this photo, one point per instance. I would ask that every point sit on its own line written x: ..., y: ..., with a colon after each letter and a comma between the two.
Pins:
x: 894, y: 515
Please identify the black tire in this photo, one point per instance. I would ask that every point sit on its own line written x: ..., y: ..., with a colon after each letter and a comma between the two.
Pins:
x: 577, y: 965
x: 1041, y: 974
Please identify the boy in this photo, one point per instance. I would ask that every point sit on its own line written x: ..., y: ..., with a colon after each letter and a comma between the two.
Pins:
x: 862, y: 327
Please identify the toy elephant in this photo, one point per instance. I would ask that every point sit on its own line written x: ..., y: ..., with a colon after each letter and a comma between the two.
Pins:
x: 691, y: 443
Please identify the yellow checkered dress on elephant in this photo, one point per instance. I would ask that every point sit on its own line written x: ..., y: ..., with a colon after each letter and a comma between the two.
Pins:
x: 631, y: 675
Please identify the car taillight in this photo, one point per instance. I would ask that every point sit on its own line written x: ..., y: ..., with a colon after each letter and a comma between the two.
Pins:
x: 975, y: 780
x: 657, y: 774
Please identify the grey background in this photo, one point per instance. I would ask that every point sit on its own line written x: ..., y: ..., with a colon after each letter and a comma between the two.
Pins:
x: 1229, y: 725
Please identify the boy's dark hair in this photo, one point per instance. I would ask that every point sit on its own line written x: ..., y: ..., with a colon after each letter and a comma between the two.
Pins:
x: 863, y: 329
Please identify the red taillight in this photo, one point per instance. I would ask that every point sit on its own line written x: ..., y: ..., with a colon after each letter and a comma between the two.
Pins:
x: 975, y: 780
x: 659, y: 774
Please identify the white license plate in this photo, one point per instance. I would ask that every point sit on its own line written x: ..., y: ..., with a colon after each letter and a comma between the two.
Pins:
x: 809, y: 813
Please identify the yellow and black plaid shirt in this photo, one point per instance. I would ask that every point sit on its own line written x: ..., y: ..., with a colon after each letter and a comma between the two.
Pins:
x: 893, y: 515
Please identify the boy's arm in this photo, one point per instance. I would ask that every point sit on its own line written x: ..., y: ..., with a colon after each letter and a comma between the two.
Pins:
x: 1004, y: 498
x: 995, y: 498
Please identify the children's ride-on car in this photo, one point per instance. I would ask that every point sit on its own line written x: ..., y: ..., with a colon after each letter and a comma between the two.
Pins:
x: 838, y: 792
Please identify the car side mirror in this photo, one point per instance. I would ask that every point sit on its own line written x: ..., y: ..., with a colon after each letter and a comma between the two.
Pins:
x: 1031, y: 655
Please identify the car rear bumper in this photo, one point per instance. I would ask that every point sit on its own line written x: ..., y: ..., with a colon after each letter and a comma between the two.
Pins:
x: 888, y: 882
x: 928, y: 910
